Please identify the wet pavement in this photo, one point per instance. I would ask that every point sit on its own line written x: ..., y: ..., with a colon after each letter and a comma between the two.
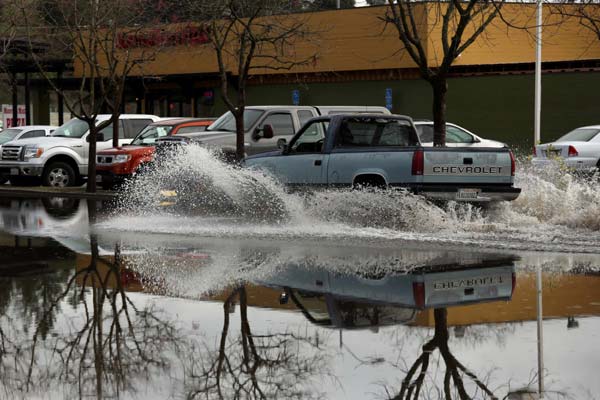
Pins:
x: 99, y: 304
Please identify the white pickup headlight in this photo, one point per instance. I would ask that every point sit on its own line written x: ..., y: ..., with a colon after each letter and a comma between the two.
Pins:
x: 32, y: 152
x: 121, y: 158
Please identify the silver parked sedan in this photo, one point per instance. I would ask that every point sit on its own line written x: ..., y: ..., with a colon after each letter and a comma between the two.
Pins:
x: 578, y: 149
x: 456, y: 136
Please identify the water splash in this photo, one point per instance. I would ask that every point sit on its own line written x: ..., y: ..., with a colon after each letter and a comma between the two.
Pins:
x: 556, y: 211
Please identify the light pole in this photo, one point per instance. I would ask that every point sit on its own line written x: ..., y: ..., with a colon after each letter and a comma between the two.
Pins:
x: 538, y: 76
x: 540, y: 333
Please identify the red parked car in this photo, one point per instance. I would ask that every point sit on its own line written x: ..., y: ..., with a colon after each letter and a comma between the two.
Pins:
x: 115, y: 165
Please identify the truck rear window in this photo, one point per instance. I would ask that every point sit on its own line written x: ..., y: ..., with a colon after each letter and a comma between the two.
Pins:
x: 375, y: 132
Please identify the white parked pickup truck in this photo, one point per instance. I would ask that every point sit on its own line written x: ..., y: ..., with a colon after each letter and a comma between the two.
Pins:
x: 61, y: 159
x: 384, y: 150
x: 281, y: 122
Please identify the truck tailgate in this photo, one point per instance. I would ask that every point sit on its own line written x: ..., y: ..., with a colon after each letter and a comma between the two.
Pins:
x: 468, y: 286
x: 479, y: 174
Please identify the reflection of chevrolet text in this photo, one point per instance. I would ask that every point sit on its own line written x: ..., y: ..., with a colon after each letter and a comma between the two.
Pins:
x: 353, y: 301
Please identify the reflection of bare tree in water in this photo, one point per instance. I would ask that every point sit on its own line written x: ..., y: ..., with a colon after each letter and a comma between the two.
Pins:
x: 113, y: 341
x: 454, y: 384
x: 250, y: 366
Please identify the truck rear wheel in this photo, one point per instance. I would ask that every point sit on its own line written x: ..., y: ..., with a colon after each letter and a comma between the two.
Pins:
x: 369, y: 182
x: 59, y: 174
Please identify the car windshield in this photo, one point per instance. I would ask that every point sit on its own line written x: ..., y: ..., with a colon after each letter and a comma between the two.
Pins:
x: 150, y: 134
x: 580, y: 135
x: 75, y: 128
x: 9, y: 134
x: 226, y: 122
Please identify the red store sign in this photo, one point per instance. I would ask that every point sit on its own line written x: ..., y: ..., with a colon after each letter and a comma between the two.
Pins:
x: 188, y: 36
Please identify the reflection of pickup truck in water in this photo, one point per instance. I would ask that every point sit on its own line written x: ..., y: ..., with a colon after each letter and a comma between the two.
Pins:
x: 351, y: 301
x: 383, y: 151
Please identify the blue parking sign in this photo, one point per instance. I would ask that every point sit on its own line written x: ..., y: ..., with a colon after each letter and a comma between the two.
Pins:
x: 388, y: 98
x: 295, y: 97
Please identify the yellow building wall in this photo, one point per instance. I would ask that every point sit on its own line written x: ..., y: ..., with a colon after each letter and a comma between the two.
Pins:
x: 357, y: 39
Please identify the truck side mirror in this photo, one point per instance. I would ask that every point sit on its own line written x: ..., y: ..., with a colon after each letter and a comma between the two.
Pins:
x: 267, y: 131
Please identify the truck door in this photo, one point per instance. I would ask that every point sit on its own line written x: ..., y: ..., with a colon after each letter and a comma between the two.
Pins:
x: 283, y: 130
x: 305, y: 163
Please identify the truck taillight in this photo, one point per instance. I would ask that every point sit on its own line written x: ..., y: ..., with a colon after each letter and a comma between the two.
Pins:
x: 534, y: 151
x: 419, y: 294
x: 573, y: 152
x: 512, y: 163
x: 417, y: 162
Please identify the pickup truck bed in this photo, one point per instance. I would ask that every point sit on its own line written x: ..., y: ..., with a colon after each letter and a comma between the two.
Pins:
x: 376, y: 150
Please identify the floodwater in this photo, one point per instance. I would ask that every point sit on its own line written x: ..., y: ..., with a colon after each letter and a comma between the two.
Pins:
x: 242, y: 290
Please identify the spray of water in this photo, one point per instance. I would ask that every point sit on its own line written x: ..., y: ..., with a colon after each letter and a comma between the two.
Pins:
x: 556, y: 210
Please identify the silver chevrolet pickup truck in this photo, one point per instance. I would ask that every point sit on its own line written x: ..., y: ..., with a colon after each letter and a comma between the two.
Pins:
x: 384, y: 151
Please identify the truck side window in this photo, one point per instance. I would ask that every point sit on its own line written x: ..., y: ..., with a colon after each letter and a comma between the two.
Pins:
x: 374, y: 133
x: 281, y: 123
x: 304, y: 115
x: 108, y: 131
x: 311, y: 140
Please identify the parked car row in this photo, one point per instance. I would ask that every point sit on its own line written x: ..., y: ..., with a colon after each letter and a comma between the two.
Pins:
x: 58, y: 156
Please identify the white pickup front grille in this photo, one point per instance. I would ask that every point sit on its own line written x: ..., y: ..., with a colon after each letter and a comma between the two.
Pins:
x: 11, y: 153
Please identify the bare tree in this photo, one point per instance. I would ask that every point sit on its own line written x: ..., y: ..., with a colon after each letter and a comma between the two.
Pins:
x: 110, y: 343
x: 586, y: 12
x: 246, y: 36
x: 92, y: 33
x: 462, y: 22
x: 252, y: 366
x: 412, y: 384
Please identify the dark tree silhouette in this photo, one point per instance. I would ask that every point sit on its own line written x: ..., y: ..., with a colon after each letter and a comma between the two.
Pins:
x: 412, y: 383
x: 250, y: 366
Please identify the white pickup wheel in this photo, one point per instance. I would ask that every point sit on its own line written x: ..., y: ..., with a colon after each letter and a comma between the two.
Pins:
x: 59, y: 174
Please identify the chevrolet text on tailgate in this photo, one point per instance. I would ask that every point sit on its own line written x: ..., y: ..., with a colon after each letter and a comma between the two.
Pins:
x: 384, y: 151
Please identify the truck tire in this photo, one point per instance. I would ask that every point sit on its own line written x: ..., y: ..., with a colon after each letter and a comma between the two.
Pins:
x: 59, y: 174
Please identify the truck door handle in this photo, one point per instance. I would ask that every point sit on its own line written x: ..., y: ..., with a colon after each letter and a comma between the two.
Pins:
x: 468, y: 161
x: 317, y: 162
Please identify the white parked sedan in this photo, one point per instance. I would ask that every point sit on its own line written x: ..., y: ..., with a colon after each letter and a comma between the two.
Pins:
x: 578, y: 149
x: 456, y: 136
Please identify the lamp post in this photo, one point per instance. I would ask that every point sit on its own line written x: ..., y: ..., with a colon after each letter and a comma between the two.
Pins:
x: 540, y: 333
x: 538, y: 76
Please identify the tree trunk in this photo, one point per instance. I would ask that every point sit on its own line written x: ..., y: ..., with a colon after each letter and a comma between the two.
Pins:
x: 240, y: 150
x: 440, y: 87
x: 440, y: 316
x: 91, y: 183
x: 115, y: 126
